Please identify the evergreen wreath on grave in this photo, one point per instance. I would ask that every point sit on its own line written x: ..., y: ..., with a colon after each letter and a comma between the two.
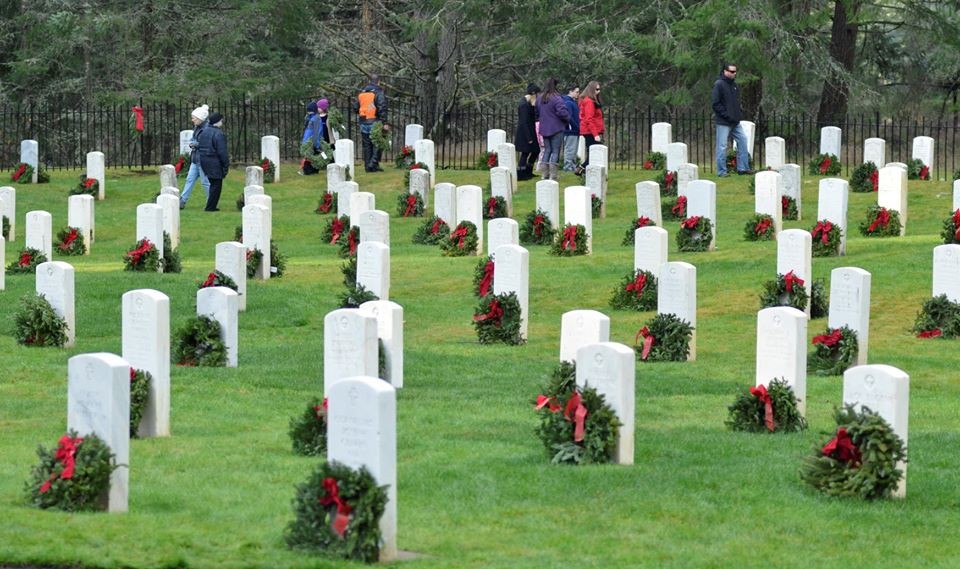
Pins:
x: 269, y: 170
x: 668, y: 182
x: 308, y: 431
x: 347, y: 246
x: 939, y: 317
x: 826, y: 239
x: 254, y: 256
x: 486, y: 160
x: 337, y: 513
x: 666, y: 338
x: 410, y: 204
x: 198, y: 343
x: 483, y: 276
x: 414, y: 166
x: 759, y: 228
x: 27, y: 261
x: 143, y: 257
x: 36, y: 323
x: 865, y: 178
x: 819, y: 302
x: 785, y: 290
x: 537, y: 229
x: 325, y: 205
x: 432, y: 232
x: 405, y: 158
x: 74, y: 477
x: 731, y: 158
x: 182, y: 165
x: 461, y: 242
x: 655, y: 161
x: 241, y: 201
x: 572, y: 242
x: 318, y: 160
x: 70, y: 242
x: 637, y: 291
x: 334, y: 230
x: 576, y: 426
x: 881, y: 222
x: 43, y: 176
x: 356, y: 294
x: 86, y: 186
x: 495, y: 206
x: 380, y: 137
x: 5, y: 227
x: 22, y: 174
x: 917, y: 170
x: 629, y: 238
x: 216, y: 278
x: 675, y: 209
x: 834, y: 351
x: 752, y: 186
x: 824, y: 165
x: 171, y: 256
x: 140, y: 381
x: 861, y: 460
x: 771, y: 408
x: 596, y: 204
x: 335, y: 122
x: 497, y: 319
x: 950, y: 231
x: 788, y: 208
x: 695, y: 234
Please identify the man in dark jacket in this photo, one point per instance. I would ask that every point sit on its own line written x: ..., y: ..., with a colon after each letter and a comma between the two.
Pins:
x: 571, y: 136
x: 371, y: 107
x: 726, y: 108
x: 214, y: 160
x: 525, y: 139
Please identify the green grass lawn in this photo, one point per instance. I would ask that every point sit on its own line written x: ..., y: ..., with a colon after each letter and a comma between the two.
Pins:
x: 475, y: 487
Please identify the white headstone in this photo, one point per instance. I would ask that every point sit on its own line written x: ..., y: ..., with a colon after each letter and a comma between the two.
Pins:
x: 686, y: 173
x: 923, y: 149
x: 661, y: 136
x: 185, y: 137
x: 257, y: 232
x: 766, y: 197
x: 170, y: 190
x: 445, y: 203
x: 40, y: 232
x: 599, y: 156
x: 349, y: 346
x: 495, y: 137
x: 171, y: 217
x: 375, y: 226
x: 794, y: 251
x: 420, y: 184
x: 344, y: 197
x: 790, y: 178
x: 512, y: 274
x: 55, y: 281
x: 579, y: 328
x: 96, y: 168
x: 610, y: 368
x: 146, y: 346
x: 900, y: 165
x: 168, y: 176
x: 270, y: 148
x: 548, y: 200
x: 650, y: 249
x: 676, y: 155
x: 500, y: 186
x: 8, y: 209
x: 470, y: 208
x: 221, y: 304
x: 389, y: 317
x: 850, y: 305
x: 373, y: 268
x: 80, y: 215
x: 30, y: 154
x: 892, y: 192
x: 946, y: 271
x: 230, y: 258
x: 253, y: 176
x: 577, y: 211
x: 750, y: 131
x: 423, y: 152
x: 98, y: 402
x: 362, y: 431
x: 361, y: 203
x: 885, y: 390
x: 648, y: 202
x: 782, y: 350
x: 261, y: 199
x: 507, y: 158
x: 830, y: 137
x: 875, y: 150
x: 596, y: 179
x: 345, y: 155
x: 150, y: 226
x: 502, y: 231
x: 832, y: 206
x: 677, y: 295
x: 412, y: 133
x: 775, y: 152
x: 702, y: 201
x: 249, y: 191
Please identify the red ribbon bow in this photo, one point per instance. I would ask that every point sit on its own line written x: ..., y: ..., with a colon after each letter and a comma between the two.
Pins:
x: 648, y: 341
x: 265, y: 165
x: 784, y: 204
x: 648, y: 165
x: 411, y: 205
x: 822, y: 229
x: 638, y: 284
x: 67, y: 455
x: 935, y: 333
x: 494, y: 314
x: 89, y: 182
x: 211, y: 278
x: 576, y: 413
x: 790, y: 279
x: 825, y: 165
x: 538, y: 225
x: 491, y: 207
x: 133, y: 374
x: 925, y: 173
x: 680, y: 208
x: 956, y: 224
x: 491, y: 159
x: 327, y: 203
x: 179, y: 165
x: 140, y: 251
x: 690, y: 222
x: 69, y: 239
x: 762, y: 226
x: 332, y: 497
x: 487, y: 279
x: 548, y: 402
x: 352, y: 242
x: 841, y: 447
x: 643, y: 221
x: 138, y: 114
x: 569, y: 238
x: 436, y: 226
x: 19, y: 172
x: 761, y: 394
x: 25, y: 259
x: 882, y: 220
x: 829, y: 340
x: 321, y: 410
x: 875, y: 179
x: 336, y: 228
x: 668, y: 180
x: 460, y: 234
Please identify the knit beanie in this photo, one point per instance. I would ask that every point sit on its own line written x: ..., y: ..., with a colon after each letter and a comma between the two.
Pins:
x: 312, y: 107
x: 323, y: 104
x: 216, y: 118
x: 201, y: 112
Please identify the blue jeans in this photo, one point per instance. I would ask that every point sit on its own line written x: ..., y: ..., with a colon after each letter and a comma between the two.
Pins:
x: 551, y: 148
x: 570, y: 144
x: 743, y: 157
x: 192, y: 174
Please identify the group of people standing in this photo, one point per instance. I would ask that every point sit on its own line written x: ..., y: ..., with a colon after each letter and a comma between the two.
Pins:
x: 209, y: 159
x: 558, y: 120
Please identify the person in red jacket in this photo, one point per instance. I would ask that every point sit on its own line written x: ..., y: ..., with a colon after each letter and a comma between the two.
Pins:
x: 591, y: 120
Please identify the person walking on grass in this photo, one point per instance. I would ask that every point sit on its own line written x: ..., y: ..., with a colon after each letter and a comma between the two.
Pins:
x: 199, y: 119
x: 525, y: 138
x: 591, y: 120
x: 571, y: 136
x: 214, y: 158
x: 371, y: 109
x: 554, y: 118
x: 725, y: 99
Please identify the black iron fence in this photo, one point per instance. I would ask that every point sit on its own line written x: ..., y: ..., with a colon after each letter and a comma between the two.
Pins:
x: 66, y: 135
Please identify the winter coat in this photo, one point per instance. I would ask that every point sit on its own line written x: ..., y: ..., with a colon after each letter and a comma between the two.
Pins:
x: 194, y: 155
x: 726, y: 102
x: 212, y: 147
x: 591, y: 117
x: 525, y: 139
x: 573, y: 127
x: 554, y: 115
x: 312, y: 130
x: 379, y: 101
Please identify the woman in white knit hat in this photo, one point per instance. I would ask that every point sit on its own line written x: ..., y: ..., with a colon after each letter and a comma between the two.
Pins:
x: 199, y: 119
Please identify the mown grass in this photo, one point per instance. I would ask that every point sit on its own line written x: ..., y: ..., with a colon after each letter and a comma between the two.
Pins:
x: 475, y: 487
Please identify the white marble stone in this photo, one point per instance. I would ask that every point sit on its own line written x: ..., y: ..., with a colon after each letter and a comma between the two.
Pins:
x: 676, y: 155
x: 595, y: 178
x: 8, y: 209
x: 150, y: 227
x: 445, y: 203
x: 923, y: 149
x: 900, y: 165
x: 470, y: 208
x: 270, y: 148
x: 794, y: 252
x: 389, y: 317
x: 222, y: 304
x: 501, y: 186
x: 775, y: 152
x: 610, y: 368
x: 80, y: 215
x: 686, y: 173
x: 661, y: 136
x: 30, y: 154
x: 830, y: 140
x: 349, y: 346
x: 423, y: 151
x: 512, y: 274
x: 170, y: 191
x: 577, y: 211
x: 507, y: 158
x: 502, y: 231
x: 230, y: 258
x: 40, y: 232
x: 767, y: 197
x: 257, y: 232
x: 250, y: 191
x: 420, y: 184
x: 750, y: 131
x: 375, y: 226
x: 599, y: 156
x: 892, y: 192
x: 832, y: 201
x: 677, y: 295
x: 185, y: 137
x: 875, y: 150
x: 411, y: 134
x: 791, y: 175
x: 170, y: 205
x: 782, y: 350
x: 55, y: 282
x: 850, y: 305
x: 344, y: 193
x: 702, y: 201
x: 650, y: 246
x: 168, y: 176
x: 648, y: 202
x: 495, y: 137
x: 96, y: 168
x: 946, y: 271
x: 579, y: 328
x: 253, y: 176
x: 548, y: 200
x: 146, y: 346
x: 373, y: 268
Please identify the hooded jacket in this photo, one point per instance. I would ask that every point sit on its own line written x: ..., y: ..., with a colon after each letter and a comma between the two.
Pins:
x: 726, y: 101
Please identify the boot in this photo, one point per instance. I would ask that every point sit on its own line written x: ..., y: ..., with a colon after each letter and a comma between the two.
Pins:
x: 554, y: 173
x: 544, y: 171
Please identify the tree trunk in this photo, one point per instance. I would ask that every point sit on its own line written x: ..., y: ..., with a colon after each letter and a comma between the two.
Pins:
x: 843, y: 45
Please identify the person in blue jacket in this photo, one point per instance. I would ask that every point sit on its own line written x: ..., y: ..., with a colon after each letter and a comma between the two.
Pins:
x: 571, y: 136
x: 214, y: 159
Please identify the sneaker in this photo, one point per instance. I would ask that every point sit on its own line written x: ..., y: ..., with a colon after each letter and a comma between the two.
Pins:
x: 745, y: 172
x: 183, y: 206
x: 723, y: 175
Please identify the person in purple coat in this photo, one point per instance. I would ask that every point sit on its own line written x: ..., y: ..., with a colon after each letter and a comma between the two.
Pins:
x: 554, y: 117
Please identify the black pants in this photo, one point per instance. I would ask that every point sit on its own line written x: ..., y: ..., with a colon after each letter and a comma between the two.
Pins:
x: 588, y: 141
x: 216, y: 185
x: 528, y: 160
x: 371, y: 156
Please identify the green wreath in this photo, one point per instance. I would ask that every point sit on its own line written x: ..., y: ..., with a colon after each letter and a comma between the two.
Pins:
x: 432, y: 232
x: 861, y: 460
x: 36, y: 323
x: 347, y: 246
x: 74, y: 477
x: 596, y: 205
x: 269, y: 170
x: 5, y: 227
x: 241, y: 201
x: 788, y: 208
x: 865, y: 178
x: 22, y: 174
x: 495, y: 206
x: 759, y: 228
x: 217, y: 278
x: 379, y: 136
x: 335, y: 121
x: 308, y: 431
x: 334, y: 230
x: 27, y: 261
x: 695, y: 234
x: 775, y: 292
x: 254, y: 256
x: 70, y: 242
x: 87, y: 186
x: 826, y: 239
x: 198, y: 344
x: 140, y: 381
x: 181, y: 165
x: 337, y: 512
x: 668, y: 182
x: 752, y: 186
x: 917, y: 170
x: 572, y: 242
x: 666, y: 338
x: 731, y: 158
x: 413, y: 166
x: 824, y: 165
x: 43, y: 176
x: 655, y: 161
x: 881, y: 222
x: 939, y: 317
x: 637, y: 291
x: 629, y: 238
x: 326, y: 204
x: 318, y: 160
x: 675, y: 209
x: 171, y: 256
x: 143, y: 257
x: 405, y: 158
x: 483, y: 276
x: 576, y: 426
x: 486, y: 160
x: 461, y: 242
x: 355, y: 295
x: 497, y: 319
x: 537, y: 229
x: 819, y: 300
x: 834, y: 351
x: 749, y: 410
x: 410, y: 204
x: 950, y: 231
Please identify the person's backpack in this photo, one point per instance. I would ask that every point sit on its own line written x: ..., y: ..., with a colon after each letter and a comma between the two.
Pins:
x: 368, y: 107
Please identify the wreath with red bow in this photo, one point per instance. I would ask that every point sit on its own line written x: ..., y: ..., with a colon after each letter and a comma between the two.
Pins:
x: 785, y: 290
x: 637, y: 291
x: 325, y: 205
x: 140, y: 381
x: 824, y: 165
x: 497, y: 319
x: 766, y: 409
x: 413, y: 166
x: 939, y: 317
x: 655, y: 161
x: 462, y: 241
x: 308, y: 431
x: 73, y: 477
x: 674, y: 209
x: 483, y: 277
x: 495, y: 206
x: 182, y: 165
x: 410, y: 204
x: 432, y: 232
x: 826, y: 239
x: 666, y: 338
x: 347, y: 246
x: 36, y: 323
x: 27, y: 261
x: 696, y: 234
x: 950, y: 231
x: 759, y: 228
x: 630, y: 236
x: 881, y: 222
x: 337, y: 511
x: 355, y: 293
x: 404, y: 158
x: 22, y: 174
x: 861, y: 460
x: 668, y: 182
x: 917, y: 170
x: 86, y: 186
x: 577, y: 426
x: 334, y: 230
x: 834, y: 351
x: 572, y: 241
x: 596, y: 206
x: 788, y: 208
x: 143, y: 257
x: 70, y: 242
x: 486, y: 160
x: 537, y: 229
x: 865, y: 178
x: 269, y: 170
x: 217, y: 278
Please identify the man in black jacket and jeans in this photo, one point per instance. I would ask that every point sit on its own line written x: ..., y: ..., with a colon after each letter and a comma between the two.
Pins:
x: 726, y: 107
